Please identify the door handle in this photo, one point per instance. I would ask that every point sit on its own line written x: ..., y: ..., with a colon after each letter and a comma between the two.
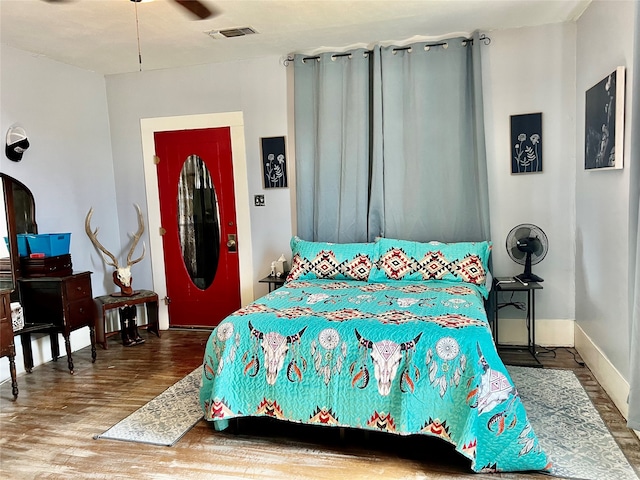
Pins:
x: 231, y: 242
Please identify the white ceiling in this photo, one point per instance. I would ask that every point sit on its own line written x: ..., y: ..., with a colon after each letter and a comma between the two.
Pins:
x: 100, y: 35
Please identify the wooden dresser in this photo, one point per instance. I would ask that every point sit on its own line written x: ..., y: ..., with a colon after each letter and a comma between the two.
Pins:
x: 7, y: 348
x: 65, y: 302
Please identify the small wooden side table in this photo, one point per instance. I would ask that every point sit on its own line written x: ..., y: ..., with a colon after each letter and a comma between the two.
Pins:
x: 109, y: 302
x: 273, y: 281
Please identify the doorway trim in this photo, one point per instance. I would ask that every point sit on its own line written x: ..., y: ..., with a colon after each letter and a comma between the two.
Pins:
x: 235, y: 121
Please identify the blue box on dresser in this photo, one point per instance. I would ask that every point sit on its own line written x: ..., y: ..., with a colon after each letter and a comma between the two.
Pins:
x: 51, y: 244
x: 23, y: 250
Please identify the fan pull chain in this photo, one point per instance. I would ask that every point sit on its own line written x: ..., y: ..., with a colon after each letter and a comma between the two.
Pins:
x: 138, y: 36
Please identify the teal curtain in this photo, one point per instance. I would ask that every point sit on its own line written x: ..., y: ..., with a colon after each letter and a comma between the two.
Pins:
x: 430, y: 176
x: 391, y: 143
x: 332, y: 98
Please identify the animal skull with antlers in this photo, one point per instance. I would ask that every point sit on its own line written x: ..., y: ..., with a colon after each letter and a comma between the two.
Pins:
x: 122, y: 275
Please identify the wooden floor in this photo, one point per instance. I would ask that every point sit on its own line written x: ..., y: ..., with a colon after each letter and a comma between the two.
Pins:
x: 48, y: 432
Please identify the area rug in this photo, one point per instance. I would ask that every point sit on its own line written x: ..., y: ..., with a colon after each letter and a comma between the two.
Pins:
x: 569, y: 428
x: 166, y: 418
x: 567, y: 424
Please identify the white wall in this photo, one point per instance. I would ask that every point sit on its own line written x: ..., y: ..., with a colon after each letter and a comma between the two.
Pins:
x: 68, y: 166
x: 86, y: 151
x: 531, y: 70
x: 257, y: 88
x: 605, y: 34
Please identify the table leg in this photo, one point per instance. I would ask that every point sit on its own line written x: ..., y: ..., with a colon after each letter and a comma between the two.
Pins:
x: 67, y: 344
x: 92, y: 336
x: 100, y: 326
x: 528, y: 320
x: 532, y: 319
x: 14, y: 381
x: 27, y: 353
x: 152, y: 318
x: 495, y: 321
x: 55, y: 346
x: 531, y: 309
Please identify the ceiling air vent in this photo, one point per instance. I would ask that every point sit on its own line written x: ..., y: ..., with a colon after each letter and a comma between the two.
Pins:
x: 231, y: 32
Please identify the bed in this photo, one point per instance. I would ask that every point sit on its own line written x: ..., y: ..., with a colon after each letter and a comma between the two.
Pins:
x: 389, y: 336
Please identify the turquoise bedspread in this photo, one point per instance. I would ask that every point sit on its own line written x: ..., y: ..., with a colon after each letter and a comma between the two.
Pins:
x: 400, y: 357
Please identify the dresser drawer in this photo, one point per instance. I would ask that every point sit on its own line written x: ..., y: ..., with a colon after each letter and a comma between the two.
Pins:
x: 6, y: 330
x: 58, y: 266
x: 78, y: 288
x: 81, y: 313
x: 6, y: 337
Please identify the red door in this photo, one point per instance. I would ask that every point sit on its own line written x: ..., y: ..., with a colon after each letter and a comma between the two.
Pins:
x: 197, y: 211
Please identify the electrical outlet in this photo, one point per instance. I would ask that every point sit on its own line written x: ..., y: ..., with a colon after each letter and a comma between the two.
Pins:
x: 258, y: 200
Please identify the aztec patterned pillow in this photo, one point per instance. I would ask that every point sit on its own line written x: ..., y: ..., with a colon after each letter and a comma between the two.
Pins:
x: 340, y: 261
x: 414, y: 261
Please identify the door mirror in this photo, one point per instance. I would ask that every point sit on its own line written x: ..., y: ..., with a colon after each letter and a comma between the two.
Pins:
x: 198, y: 222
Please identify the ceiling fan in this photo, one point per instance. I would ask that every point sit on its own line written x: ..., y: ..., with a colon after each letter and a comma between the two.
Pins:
x: 195, y: 7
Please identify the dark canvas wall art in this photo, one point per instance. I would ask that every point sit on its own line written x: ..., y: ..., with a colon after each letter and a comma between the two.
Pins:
x: 604, y: 123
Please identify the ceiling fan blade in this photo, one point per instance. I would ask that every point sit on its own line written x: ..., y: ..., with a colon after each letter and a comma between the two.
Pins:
x: 197, y: 8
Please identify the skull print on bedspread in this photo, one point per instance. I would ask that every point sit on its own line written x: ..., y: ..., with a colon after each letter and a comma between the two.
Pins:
x: 386, y: 356
x: 274, y: 347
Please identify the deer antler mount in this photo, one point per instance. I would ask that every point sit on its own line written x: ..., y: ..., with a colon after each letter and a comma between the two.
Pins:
x: 122, y: 275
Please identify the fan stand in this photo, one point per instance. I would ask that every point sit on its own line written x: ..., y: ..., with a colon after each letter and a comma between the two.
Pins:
x: 527, y: 276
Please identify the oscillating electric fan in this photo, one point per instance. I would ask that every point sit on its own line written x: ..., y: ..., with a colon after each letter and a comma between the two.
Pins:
x: 527, y: 245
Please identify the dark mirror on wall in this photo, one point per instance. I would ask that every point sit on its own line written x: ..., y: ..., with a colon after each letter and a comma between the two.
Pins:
x: 19, y: 217
x: 6, y: 272
x: 24, y: 209
x: 198, y: 222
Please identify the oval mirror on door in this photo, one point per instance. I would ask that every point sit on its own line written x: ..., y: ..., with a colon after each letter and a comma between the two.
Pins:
x: 198, y: 222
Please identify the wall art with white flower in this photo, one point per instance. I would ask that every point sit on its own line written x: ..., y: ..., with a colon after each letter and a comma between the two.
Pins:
x: 604, y: 123
x: 526, y: 143
x: 274, y: 162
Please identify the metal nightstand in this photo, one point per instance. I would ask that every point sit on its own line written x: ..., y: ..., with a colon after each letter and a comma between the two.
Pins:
x: 509, y: 284
x: 273, y: 281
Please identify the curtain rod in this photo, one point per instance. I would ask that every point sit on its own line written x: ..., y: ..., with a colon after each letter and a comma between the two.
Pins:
x: 335, y: 55
x: 483, y: 38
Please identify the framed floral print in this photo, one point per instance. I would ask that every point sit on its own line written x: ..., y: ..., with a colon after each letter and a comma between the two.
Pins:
x: 526, y: 143
x: 274, y: 162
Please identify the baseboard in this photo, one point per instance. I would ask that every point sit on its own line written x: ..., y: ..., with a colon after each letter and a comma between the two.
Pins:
x: 606, y: 374
x: 549, y: 333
